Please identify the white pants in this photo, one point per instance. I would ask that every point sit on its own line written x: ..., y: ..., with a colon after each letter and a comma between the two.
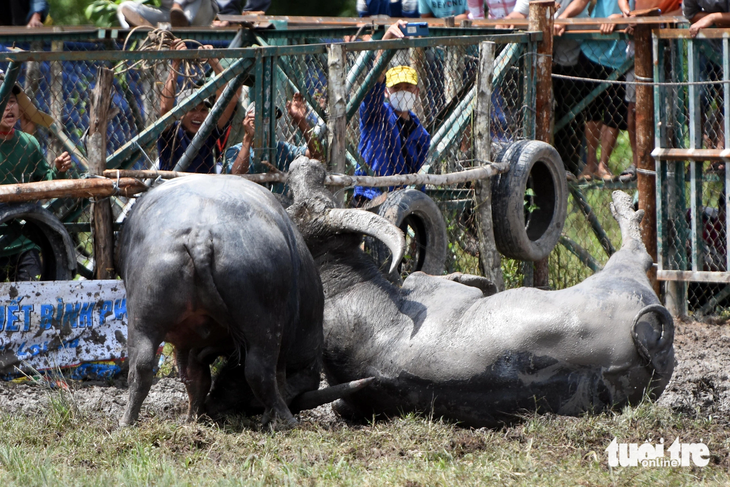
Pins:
x: 198, y: 12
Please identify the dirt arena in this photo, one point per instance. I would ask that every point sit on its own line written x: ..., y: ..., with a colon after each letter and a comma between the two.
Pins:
x: 699, y: 386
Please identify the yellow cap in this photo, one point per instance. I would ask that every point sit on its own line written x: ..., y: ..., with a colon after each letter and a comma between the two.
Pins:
x: 401, y: 74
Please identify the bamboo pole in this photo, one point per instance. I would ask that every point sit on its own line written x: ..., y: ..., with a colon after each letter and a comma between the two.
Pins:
x: 128, y: 182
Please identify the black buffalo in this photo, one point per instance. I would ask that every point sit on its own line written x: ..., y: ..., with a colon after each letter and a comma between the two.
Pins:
x: 440, y: 346
x: 214, y: 266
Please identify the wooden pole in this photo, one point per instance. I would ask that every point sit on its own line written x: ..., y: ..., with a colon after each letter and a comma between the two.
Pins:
x: 101, y: 211
x: 418, y: 179
x: 489, y: 257
x: 337, y: 121
x: 646, y: 182
x: 57, y: 99
x: 70, y: 188
x: 541, y: 19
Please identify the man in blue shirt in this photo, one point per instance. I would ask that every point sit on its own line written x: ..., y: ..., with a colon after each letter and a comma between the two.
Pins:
x: 174, y: 141
x: 30, y: 13
x: 392, y: 139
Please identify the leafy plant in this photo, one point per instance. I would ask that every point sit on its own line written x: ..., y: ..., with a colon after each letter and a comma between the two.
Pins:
x: 103, y: 13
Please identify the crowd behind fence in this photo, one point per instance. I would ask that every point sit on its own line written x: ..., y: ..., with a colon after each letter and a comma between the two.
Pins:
x: 593, y: 124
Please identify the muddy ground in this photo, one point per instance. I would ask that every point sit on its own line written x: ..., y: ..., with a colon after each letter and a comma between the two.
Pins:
x: 699, y: 386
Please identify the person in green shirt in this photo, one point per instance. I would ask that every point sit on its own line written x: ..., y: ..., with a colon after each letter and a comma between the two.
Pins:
x: 21, y: 161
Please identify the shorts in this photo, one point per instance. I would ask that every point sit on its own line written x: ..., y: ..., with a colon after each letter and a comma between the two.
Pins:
x: 609, y: 107
x: 630, y: 89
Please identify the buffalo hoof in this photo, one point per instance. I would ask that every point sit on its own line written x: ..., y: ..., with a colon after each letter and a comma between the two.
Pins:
x: 278, y: 423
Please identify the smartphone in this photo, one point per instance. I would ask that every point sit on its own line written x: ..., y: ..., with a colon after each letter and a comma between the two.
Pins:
x: 415, y: 29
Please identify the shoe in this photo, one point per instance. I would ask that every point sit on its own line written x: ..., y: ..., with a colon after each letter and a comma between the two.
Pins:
x: 134, y: 19
x: 628, y: 174
x: 177, y: 16
x: 604, y: 174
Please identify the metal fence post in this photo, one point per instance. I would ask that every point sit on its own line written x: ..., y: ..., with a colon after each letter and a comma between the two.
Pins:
x: 101, y: 211
x: 646, y: 183
x: 488, y: 255
x: 337, y: 120
x: 541, y: 19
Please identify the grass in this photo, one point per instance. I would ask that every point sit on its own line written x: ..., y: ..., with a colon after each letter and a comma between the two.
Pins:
x: 86, y: 448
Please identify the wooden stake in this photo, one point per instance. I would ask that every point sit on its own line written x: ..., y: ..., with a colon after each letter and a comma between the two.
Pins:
x: 101, y: 211
x: 489, y: 257
x: 541, y: 19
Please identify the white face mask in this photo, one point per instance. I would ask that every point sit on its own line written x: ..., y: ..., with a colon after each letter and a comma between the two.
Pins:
x: 402, y: 101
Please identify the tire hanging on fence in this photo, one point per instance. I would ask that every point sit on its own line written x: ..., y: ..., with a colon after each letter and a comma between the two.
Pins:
x: 421, y: 220
x: 48, y: 233
x: 530, y: 201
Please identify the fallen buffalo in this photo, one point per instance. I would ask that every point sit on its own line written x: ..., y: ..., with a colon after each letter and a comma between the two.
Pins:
x: 215, y: 267
x: 435, y: 345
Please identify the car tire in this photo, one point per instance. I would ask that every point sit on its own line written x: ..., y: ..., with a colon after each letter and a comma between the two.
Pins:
x: 47, y: 232
x: 423, y: 224
x: 522, y: 232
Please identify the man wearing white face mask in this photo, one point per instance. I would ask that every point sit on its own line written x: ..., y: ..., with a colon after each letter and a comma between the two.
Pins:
x: 393, y: 141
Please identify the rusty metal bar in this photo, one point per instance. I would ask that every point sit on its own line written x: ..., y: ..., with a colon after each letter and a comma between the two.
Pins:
x: 684, y: 34
x: 691, y: 154
x: 541, y: 20
x: 646, y: 183
x: 294, y: 20
x: 693, y: 276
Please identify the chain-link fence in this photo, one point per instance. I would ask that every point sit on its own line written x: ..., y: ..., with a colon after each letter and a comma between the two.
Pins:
x: 160, y: 100
x: 284, y: 104
x: 693, y: 198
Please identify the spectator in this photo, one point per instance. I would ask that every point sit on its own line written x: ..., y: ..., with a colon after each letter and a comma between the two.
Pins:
x: 704, y: 14
x: 607, y: 114
x: 499, y: 9
x: 239, y: 159
x: 21, y: 161
x: 440, y: 9
x: 30, y: 13
x: 476, y: 9
x: 233, y: 7
x: 174, y: 141
x: 566, y: 53
x: 393, y: 141
x: 396, y: 8
x: 179, y: 13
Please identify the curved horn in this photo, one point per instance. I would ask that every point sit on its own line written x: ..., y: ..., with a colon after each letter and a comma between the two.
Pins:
x: 666, y: 339
x: 350, y: 220
x: 312, y: 399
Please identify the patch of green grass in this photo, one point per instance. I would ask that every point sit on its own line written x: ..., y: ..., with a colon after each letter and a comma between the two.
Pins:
x: 88, y: 449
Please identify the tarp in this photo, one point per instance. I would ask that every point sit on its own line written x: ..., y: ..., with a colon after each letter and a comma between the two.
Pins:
x: 62, y: 324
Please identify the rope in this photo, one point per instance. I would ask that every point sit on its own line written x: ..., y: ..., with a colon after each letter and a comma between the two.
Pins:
x: 157, y: 40
x: 642, y: 83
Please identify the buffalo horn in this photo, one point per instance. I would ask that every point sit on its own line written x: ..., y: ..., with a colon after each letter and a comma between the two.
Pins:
x: 349, y: 220
x: 312, y: 399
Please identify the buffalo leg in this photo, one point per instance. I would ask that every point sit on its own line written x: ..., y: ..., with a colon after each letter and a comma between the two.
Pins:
x: 141, y: 361
x: 196, y: 377
x: 261, y: 375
